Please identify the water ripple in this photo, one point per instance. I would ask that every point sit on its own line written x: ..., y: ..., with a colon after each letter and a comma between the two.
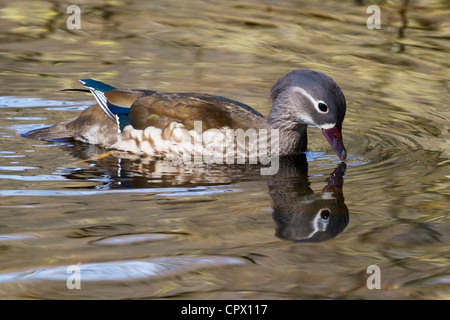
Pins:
x: 17, y: 168
x: 39, y: 177
x: 18, y: 236
x: 122, y: 270
x: 16, y: 102
x: 175, y: 191
x: 128, y: 239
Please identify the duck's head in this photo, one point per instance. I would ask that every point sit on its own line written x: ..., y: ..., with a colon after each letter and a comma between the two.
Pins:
x: 306, y: 97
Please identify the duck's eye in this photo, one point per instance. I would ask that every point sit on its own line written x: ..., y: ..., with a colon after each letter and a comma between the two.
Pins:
x: 322, y: 107
x: 325, y: 213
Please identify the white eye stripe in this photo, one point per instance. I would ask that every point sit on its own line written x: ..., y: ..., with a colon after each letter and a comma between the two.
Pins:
x: 306, y: 94
x: 310, y: 98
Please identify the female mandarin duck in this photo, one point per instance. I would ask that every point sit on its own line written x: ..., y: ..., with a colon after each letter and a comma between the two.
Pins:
x: 155, y: 123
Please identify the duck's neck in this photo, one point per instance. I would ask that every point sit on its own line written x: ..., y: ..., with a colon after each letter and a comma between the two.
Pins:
x: 292, y: 134
x: 293, y: 138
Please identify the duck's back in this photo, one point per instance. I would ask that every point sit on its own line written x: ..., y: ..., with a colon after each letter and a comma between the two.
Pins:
x: 160, y: 109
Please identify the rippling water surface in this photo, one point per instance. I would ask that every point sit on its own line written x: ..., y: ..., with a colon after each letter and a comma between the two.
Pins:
x: 139, y: 228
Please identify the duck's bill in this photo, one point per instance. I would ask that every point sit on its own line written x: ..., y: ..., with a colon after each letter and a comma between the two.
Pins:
x: 334, y: 137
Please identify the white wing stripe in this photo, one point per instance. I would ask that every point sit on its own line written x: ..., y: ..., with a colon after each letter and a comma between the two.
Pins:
x: 103, y: 102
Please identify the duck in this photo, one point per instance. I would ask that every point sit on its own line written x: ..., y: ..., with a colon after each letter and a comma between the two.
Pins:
x: 154, y: 123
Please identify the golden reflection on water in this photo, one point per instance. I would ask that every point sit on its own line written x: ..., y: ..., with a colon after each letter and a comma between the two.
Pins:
x: 395, y: 79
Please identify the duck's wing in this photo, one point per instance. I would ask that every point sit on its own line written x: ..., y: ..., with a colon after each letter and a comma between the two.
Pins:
x: 144, y: 108
x: 115, y: 103
x: 160, y: 109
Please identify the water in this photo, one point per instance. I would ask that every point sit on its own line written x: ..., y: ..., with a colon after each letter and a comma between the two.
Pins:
x: 138, y: 228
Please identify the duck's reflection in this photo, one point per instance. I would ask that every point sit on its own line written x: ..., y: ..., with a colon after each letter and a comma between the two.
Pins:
x: 299, y: 213
x: 123, y: 170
